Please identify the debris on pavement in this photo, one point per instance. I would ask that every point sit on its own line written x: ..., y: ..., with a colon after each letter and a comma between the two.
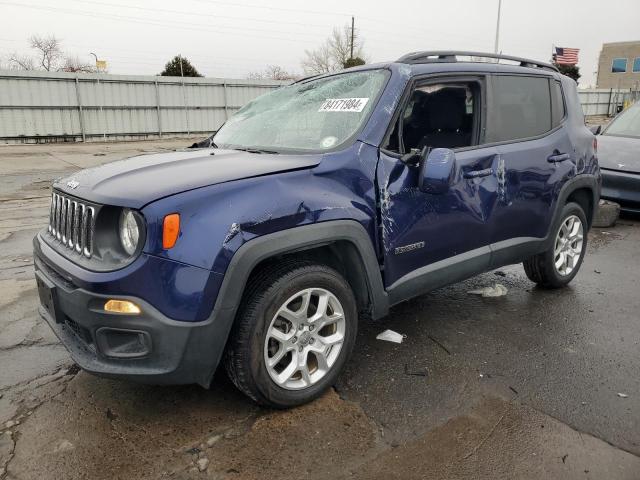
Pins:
x: 500, y: 273
x: 419, y: 372
x: 497, y: 290
x: 211, y: 441
x: 64, y: 446
x: 606, y: 214
x: 622, y: 395
x: 390, y: 336
x: 203, y: 464
x: 437, y: 342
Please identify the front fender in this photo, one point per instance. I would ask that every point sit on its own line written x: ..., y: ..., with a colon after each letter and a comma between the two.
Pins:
x: 261, y: 248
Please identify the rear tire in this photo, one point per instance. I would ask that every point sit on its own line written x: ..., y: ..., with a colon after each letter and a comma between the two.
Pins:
x: 557, y: 266
x: 293, y: 333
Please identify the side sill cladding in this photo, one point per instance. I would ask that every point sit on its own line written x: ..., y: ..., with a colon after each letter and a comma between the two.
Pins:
x: 474, y: 262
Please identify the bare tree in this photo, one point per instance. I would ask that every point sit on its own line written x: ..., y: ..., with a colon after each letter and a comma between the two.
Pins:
x: 20, y: 62
x: 276, y: 72
x: 319, y: 60
x: 335, y: 53
x: 74, y: 64
x: 49, y: 50
x: 273, y: 72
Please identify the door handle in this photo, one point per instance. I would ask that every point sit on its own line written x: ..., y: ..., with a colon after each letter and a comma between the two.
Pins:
x: 558, y: 157
x: 478, y: 173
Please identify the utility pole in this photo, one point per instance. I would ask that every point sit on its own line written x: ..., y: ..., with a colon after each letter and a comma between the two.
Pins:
x: 495, y: 48
x: 353, y: 21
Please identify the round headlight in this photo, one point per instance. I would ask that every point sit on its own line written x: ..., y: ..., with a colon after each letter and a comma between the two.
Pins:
x: 129, y: 231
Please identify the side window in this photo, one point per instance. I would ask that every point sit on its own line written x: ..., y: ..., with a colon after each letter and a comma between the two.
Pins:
x: 520, y: 108
x: 441, y: 115
x: 557, y: 104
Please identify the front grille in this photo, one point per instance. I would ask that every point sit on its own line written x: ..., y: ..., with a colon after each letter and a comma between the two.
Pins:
x: 71, y: 222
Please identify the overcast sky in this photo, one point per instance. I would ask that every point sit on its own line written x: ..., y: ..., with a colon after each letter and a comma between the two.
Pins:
x: 230, y: 38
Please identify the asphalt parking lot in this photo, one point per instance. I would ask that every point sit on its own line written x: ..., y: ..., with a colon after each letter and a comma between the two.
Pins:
x: 535, y: 384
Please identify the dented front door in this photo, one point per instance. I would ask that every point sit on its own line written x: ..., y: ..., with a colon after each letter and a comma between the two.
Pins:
x: 418, y: 229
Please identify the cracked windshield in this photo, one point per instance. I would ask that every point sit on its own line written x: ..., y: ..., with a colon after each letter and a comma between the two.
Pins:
x: 316, y: 116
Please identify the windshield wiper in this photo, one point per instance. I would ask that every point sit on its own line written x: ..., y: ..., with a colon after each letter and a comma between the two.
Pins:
x: 255, y: 150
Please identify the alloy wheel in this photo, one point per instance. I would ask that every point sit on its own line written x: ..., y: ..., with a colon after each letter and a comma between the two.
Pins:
x: 304, y: 339
x: 568, y: 246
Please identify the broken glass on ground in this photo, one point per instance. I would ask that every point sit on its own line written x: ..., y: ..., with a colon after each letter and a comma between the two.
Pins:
x: 497, y: 290
x: 390, y: 336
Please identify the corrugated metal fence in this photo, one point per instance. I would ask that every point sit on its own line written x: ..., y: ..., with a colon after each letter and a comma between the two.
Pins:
x: 599, y: 101
x: 44, y: 106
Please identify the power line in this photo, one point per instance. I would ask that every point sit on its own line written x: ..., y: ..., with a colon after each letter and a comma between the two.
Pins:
x: 198, y: 14
x: 173, y: 24
x: 270, y: 7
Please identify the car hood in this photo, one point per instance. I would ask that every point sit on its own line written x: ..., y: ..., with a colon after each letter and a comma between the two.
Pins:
x: 137, y: 181
x: 619, y: 153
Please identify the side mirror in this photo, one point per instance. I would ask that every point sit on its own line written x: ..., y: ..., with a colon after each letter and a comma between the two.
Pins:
x: 596, y: 129
x: 437, y: 170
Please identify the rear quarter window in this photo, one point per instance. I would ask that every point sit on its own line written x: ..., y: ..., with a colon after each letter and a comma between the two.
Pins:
x: 557, y: 103
x: 519, y: 107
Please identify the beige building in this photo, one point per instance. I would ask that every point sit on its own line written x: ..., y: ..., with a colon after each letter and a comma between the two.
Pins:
x: 619, y: 65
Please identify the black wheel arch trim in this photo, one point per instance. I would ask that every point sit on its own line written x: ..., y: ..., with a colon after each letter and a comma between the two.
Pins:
x: 249, y: 255
x: 590, y: 181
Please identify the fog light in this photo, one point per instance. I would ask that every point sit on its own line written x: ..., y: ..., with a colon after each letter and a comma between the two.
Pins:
x: 122, y: 306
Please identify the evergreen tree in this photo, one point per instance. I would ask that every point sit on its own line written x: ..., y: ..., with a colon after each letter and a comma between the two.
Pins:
x: 571, y: 71
x: 172, y: 68
x: 353, y: 62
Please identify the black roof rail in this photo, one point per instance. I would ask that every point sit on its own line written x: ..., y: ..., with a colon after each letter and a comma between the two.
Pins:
x: 450, y: 56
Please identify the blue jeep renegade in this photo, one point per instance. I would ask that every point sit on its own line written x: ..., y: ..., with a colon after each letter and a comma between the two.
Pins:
x: 331, y: 199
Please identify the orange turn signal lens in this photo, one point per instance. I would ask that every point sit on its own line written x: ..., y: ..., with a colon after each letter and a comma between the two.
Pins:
x: 170, y: 230
x: 121, y: 306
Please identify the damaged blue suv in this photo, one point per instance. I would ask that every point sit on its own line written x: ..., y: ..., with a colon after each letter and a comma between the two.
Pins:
x: 326, y: 201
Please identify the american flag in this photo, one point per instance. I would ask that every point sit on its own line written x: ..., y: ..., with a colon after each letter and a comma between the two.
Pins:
x: 566, y: 56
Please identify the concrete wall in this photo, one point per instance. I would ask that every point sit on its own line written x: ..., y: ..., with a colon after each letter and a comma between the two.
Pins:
x: 43, y: 106
x: 610, y: 51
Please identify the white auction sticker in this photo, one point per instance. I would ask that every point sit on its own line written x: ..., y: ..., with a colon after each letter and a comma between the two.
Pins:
x: 343, y: 105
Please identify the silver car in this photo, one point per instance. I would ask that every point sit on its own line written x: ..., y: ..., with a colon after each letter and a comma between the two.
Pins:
x: 619, y: 158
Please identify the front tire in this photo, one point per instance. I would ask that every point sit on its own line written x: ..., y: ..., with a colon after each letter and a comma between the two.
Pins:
x: 557, y: 266
x: 293, y: 334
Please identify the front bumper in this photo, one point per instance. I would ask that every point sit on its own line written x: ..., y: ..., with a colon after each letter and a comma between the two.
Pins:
x: 622, y: 188
x: 148, y: 347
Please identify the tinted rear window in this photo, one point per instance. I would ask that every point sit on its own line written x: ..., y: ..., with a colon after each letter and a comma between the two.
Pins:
x: 520, y: 108
x: 557, y: 104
